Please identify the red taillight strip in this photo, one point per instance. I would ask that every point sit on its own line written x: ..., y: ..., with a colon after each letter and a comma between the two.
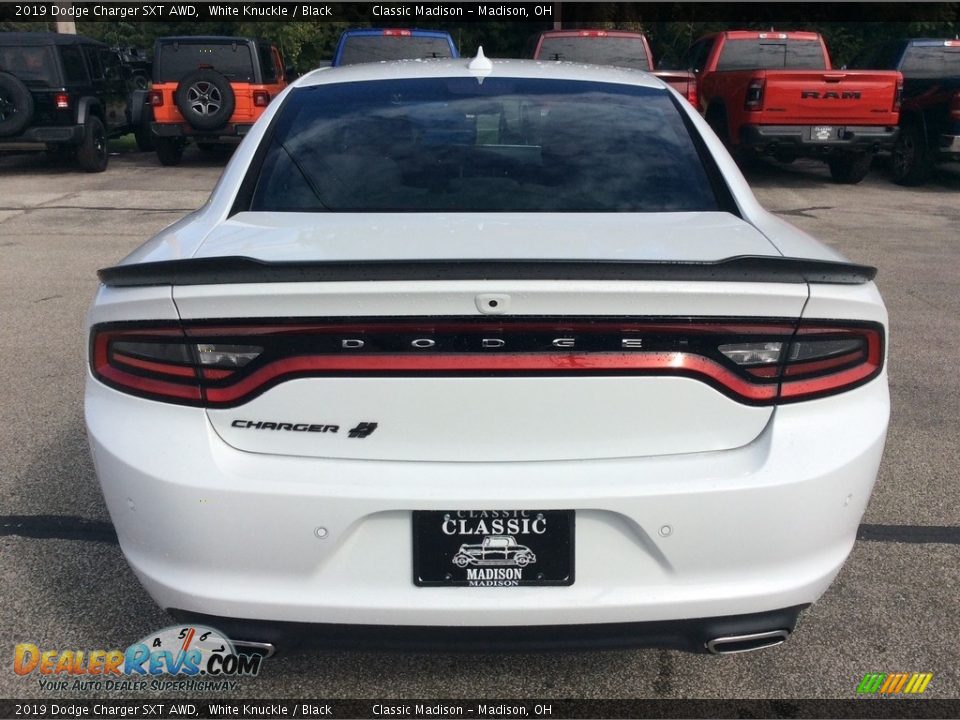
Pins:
x: 137, y: 383
x: 824, y: 383
x: 802, y: 368
x: 663, y: 363
x: 157, y: 367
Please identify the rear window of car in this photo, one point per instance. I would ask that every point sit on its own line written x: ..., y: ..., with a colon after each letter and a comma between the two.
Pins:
x: 177, y: 59
x: 771, y: 55
x: 598, y: 50
x: 931, y: 62
x: 503, y: 145
x: 33, y: 64
x: 374, y: 48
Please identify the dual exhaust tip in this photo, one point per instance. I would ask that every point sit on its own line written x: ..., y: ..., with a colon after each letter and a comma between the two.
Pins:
x: 734, y: 644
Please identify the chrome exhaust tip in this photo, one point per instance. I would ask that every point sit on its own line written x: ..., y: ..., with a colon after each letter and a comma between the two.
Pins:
x: 259, y: 648
x: 734, y: 644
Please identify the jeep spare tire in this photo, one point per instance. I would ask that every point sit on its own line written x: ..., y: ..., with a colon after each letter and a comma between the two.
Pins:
x: 205, y: 99
x: 16, y: 105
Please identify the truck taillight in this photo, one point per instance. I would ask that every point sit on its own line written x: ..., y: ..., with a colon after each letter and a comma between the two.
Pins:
x: 62, y: 100
x: 394, y: 33
x: 955, y: 106
x: 593, y: 33
x: 155, y: 98
x: 261, y: 98
x: 692, y: 96
x: 754, y: 99
x: 898, y: 95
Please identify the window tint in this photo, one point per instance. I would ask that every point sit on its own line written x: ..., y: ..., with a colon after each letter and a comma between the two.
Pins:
x: 771, y: 55
x: 373, y: 48
x: 179, y: 59
x: 455, y: 145
x: 696, y: 57
x: 931, y: 62
x: 619, y: 51
x: 93, y: 62
x: 268, y: 70
x: 34, y: 65
x: 73, y: 68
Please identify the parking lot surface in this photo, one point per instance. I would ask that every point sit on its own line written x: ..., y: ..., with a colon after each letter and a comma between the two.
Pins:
x: 64, y: 583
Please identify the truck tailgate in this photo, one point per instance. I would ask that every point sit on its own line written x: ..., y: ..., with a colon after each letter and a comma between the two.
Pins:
x: 848, y: 97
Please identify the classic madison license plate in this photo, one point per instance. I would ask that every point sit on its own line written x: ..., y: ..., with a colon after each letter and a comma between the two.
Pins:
x: 493, y: 548
x: 823, y: 133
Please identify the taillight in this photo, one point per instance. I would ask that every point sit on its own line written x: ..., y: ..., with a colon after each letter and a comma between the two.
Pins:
x: 261, y: 98
x: 898, y: 95
x: 592, y: 33
x: 955, y: 106
x: 754, y: 98
x: 155, y: 98
x: 692, y: 96
x: 62, y: 100
x: 397, y: 33
x: 755, y: 362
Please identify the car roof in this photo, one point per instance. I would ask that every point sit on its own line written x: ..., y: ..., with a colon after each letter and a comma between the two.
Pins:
x: 407, y: 32
x: 204, y: 38
x: 46, y: 38
x: 460, y: 67
x: 591, y: 33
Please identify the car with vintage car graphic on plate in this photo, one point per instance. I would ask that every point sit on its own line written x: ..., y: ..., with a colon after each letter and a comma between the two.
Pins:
x: 430, y: 303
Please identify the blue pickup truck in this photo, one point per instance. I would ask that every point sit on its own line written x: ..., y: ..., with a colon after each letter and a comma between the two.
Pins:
x: 930, y: 112
x: 376, y: 44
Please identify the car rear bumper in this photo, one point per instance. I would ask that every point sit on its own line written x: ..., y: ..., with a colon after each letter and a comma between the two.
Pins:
x: 65, y: 134
x: 801, y: 138
x: 213, y: 530
x: 694, y: 635
x: 178, y: 130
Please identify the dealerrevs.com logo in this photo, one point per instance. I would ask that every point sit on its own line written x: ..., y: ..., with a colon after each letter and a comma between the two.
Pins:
x: 186, y: 658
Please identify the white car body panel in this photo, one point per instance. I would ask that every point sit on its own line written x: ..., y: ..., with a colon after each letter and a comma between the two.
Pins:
x: 688, y: 503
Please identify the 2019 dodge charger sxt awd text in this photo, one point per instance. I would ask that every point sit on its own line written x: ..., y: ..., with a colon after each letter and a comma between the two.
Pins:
x: 433, y: 303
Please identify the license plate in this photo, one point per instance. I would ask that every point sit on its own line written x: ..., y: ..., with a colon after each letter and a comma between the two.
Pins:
x: 493, y: 548
x: 823, y: 133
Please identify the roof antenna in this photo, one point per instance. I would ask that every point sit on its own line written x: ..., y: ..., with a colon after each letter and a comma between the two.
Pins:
x: 480, y: 66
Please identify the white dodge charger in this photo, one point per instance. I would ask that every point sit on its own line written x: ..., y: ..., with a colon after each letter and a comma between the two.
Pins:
x: 528, y: 309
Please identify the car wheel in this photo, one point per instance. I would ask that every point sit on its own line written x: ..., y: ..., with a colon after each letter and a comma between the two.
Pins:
x: 717, y: 120
x: 850, y: 168
x: 16, y: 105
x: 143, y: 134
x: 92, y: 153
x: 169, y: 151
x: 205, y: 99
x: 461, y: 561
x: 522, y: 560
x: 911, y: 159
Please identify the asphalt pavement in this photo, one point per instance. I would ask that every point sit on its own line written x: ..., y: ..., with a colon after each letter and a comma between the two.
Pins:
x: 64, y: 584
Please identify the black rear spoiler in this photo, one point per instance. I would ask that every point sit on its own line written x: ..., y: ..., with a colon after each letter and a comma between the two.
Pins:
x: 232, y: 270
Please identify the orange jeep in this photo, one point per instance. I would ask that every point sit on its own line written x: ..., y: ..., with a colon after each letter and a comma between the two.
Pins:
x: 210, y: 89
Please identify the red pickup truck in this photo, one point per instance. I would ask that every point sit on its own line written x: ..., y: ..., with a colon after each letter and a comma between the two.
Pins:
x: 611, y: 47
x: 776, y: 93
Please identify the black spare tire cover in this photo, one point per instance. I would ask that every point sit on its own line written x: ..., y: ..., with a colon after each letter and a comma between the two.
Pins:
x: 205, y: 99
x: 16, y: 105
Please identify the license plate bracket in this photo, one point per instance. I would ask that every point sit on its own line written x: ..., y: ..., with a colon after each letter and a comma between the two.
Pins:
x: 824, y: 133
x: 493, y: 548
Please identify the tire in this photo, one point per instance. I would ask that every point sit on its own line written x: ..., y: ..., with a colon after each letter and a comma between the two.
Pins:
x: 850, y: 168
x: 717, y: 120
x: 142, y: 132
x: 911, y: 160
x: 16, y: 105
x: 92, y: 152
x: 205, y: 99
x: 169, y: 151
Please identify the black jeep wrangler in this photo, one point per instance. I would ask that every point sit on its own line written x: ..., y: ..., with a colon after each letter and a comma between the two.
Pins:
x: 69, y: 93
